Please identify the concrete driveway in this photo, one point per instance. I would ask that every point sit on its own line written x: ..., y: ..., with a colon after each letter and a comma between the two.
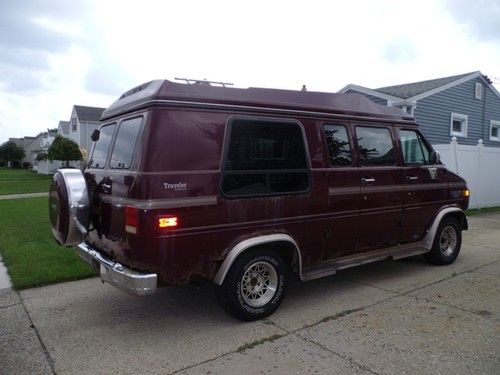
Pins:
x: 387, y: 318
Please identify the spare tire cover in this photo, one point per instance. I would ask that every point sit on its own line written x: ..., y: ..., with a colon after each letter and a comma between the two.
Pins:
x: 69, y: 208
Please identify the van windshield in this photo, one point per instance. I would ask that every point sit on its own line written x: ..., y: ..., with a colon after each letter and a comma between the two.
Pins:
x: 101, y: 147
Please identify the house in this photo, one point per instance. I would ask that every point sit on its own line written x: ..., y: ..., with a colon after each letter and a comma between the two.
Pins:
x: 465, y: 106
x: 83, y: 121
x: 39, y: 145
x: 460, y: 115
x: 63, y: 129
x: 22, y: 142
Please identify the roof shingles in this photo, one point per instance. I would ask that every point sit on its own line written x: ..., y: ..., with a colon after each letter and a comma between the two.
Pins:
x: 410, y: 90
x: 88, y: 114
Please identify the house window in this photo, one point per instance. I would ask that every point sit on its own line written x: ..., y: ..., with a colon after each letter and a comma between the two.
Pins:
x: 495, y: 130
x: 73, y: 124
x: 458, y: 125
x: 478, y: 91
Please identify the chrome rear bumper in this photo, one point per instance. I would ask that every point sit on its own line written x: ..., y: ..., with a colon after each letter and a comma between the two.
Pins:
x: 113, y: 273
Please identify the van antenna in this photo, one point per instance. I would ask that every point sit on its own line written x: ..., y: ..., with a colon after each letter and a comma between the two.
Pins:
x: 192, y: 81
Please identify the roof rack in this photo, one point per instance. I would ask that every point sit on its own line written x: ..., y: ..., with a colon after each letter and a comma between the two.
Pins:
x: 192, y: 81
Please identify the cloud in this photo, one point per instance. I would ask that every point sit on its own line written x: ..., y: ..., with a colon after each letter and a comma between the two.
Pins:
x: 27, y: 41
x: 400, y: 50
x: 481, y: 17
x: 107, y: 78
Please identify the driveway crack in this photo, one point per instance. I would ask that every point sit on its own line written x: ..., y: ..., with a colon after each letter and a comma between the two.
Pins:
x: 50, y: 361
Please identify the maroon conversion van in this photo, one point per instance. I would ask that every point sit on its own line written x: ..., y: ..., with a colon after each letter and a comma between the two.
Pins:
x: 238, y: 186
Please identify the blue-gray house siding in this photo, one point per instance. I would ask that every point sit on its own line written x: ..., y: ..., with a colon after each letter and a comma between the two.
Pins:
x: 371, y: 97
x: 433, y: 113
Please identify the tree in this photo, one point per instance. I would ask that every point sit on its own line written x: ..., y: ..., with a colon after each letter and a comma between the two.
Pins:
x: 64, y: 149
x: 11, y: 152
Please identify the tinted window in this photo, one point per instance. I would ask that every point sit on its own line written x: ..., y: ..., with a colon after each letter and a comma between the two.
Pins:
x: 102, y: 146
x: 414, y: 149
x: 375, y: 146
x: 125, y: 143
x: 337, y: 141
x: 265, y: 157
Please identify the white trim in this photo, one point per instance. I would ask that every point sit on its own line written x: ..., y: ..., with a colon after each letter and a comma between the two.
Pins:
x: 457, y: 82
x: 447, y: 86
x: 496, y: 124
x: 460, y: 117
x: 366, y: 90
x: 478, y: 91
x: 393, y: 99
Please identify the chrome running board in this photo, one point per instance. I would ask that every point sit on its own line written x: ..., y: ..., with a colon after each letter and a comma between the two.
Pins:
x: 329, y: 267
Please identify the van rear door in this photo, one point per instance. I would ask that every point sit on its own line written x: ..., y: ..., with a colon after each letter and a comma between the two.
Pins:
x: 109, y: 181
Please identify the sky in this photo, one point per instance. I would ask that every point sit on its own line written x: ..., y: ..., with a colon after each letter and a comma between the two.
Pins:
x: 55, y: 54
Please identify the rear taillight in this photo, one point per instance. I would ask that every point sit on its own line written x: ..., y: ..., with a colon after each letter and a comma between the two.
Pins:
x: 131, y: 219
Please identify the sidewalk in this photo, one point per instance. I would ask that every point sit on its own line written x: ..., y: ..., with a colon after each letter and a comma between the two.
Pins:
x: 386, y: 318
x: 20, y: 196
x: 4, y: 277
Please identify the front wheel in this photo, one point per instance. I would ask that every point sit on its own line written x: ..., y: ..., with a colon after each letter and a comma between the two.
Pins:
x: 447, y: 243
x: 254, y: 286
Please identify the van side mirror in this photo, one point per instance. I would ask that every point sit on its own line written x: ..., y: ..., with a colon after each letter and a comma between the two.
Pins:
x: 434, y: 157
x: 95, y: 135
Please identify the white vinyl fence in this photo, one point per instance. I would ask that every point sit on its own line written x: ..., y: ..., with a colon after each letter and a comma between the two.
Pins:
x: 49, y: 167
x: 479, y: 166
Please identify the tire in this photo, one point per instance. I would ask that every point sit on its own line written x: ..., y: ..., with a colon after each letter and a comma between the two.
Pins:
x: 447, y: 242
x: 241, y: 295
x: 69, y: 207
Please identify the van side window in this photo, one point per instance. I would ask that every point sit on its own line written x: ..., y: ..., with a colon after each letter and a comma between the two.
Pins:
x: 375, y: 146
x: 415, y: 151
x: 101, y: 147
x: 265, y: 157
x: 337, y: 141
x: 125, y: 143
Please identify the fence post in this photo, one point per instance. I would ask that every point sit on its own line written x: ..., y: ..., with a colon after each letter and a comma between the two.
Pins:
x: 454, y: 153
x: 480, y: 149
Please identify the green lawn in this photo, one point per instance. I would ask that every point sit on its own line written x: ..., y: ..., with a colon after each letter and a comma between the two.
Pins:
x: 29, y: 250
x: 18, y: 181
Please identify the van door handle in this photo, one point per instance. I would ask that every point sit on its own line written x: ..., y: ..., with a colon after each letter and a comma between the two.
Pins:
x: 106, y: 188
x: 367, y: 180
x: 411, y: 178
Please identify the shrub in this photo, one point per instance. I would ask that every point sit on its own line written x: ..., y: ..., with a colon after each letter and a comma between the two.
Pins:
x: 64, y: 149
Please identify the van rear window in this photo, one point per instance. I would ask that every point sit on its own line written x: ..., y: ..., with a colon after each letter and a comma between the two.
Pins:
x: 265, y: 157
x: 101, y: 147
x: 125, y: 143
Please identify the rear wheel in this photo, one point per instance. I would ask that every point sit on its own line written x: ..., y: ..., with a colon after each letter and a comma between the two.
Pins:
x: 447, y: 242
x: 254, y: 286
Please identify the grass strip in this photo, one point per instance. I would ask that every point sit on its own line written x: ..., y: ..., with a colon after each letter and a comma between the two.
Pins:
x: 28, y: 249
x: 18, y: 181
x: 478, y: 211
